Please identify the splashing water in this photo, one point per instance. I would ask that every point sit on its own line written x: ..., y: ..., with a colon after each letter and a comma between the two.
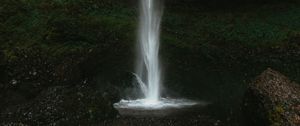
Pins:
x: 161, y: 104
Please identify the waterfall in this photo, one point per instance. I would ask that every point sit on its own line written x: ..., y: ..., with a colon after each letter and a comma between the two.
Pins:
x: 148, y: 72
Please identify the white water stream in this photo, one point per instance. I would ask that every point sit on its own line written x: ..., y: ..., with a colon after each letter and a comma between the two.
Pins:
x: 148, y: 74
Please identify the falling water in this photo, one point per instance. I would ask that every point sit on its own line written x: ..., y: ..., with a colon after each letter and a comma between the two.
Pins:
x: 148, y: 71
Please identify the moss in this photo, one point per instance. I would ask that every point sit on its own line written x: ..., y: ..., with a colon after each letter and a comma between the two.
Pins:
x: 265, y: 26
x: 64, y: 25
x: 275, y: 116
x: 75, y: 24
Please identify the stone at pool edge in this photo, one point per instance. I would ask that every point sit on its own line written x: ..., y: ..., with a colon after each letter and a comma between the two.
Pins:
x: 62, y: 105
x: 272, y: 100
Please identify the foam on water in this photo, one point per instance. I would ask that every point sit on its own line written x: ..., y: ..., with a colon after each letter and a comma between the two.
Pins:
x: 162, y: 103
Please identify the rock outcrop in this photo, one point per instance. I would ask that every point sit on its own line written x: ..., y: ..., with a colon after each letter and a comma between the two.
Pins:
x: 62, y: 105
x: 272, y: 100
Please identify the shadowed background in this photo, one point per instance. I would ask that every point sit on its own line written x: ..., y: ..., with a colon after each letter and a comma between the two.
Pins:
x: 210, y: 49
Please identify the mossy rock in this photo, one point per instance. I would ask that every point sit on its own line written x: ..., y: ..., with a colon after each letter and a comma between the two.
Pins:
x: 272, y: 100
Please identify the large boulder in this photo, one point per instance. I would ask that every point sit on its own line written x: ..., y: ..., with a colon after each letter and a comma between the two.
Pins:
x: 272, y: 100
x: 63, y: 105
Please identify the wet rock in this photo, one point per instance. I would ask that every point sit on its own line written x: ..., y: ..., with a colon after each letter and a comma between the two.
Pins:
x: 272, y: 100
x: 195, y: 120
x: 34, y: 69
x: 62, y: 105
x: 29, y: 71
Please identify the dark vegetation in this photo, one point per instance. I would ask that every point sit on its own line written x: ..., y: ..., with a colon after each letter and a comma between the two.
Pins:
x: 210, y: 51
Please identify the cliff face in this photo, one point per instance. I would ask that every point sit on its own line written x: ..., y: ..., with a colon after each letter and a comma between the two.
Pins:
x: 272, y: 100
